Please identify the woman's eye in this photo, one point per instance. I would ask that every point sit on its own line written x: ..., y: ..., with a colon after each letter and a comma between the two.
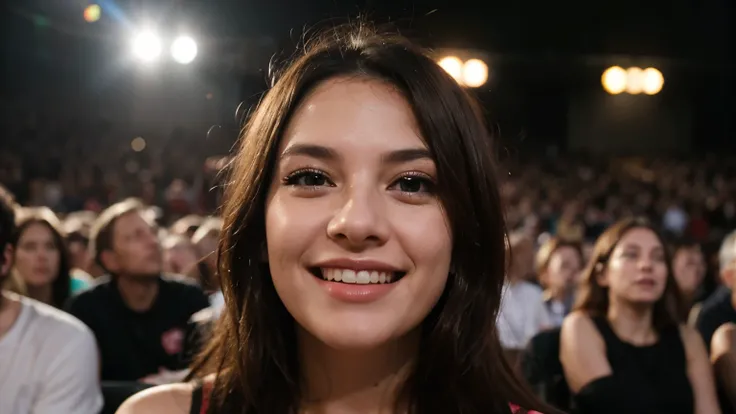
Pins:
x: 413, y: 184
x: 307, y: 179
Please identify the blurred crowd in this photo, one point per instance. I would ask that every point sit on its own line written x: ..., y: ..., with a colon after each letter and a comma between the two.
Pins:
x: 72, y: 230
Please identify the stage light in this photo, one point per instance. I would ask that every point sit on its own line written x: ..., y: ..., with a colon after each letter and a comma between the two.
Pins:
x: 453, y: 66
x: 634, y: 80
x: 184, y: 50
x: 138, y: 144
x: 92, y: 13
x: 475, y: 73
x: 614, y: 80
x: 652, y: 81
x: 147, y: 46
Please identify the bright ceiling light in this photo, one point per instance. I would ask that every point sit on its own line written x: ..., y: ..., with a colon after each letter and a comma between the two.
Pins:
x: 453, y: 66
x: 653, y: 81
x: 184, y: 50
x: 475, y: 73
x: 614, y: 80
x: 147, y: 46
x: 634, y: 80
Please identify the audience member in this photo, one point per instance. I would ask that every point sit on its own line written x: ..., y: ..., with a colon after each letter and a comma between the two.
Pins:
x: 47, y: 357
x: 138, y: 314
x: 41, y: 257
x: 522, y: 313
x: 558, y: 265
x: 718, y: 309
x: 623, y: 349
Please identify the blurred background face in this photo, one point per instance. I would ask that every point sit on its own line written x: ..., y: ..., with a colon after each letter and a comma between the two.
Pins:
x: 689, y: 267
x: 563, y: 268
x: 637, y: 269
x: 37, y: 256
x: 180, y: 257
x: 343, y: 191
x: 206, y: 248
x: 79, y: 254
x: 136, y: 248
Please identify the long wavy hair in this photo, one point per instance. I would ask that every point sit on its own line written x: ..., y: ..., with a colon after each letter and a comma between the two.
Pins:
x: 592, y: 298
x: 61, y: 286
x: 459, y: 366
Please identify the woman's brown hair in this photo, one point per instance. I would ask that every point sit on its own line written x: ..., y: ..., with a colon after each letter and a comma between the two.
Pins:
x: 592, y: 298
x: 459, y: 366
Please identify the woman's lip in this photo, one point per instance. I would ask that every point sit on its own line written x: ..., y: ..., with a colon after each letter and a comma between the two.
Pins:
x: 356, y: 293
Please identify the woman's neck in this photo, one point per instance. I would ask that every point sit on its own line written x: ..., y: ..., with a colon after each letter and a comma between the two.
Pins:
x: 632, y: 324
x: 354, y: 381
x: 41, y: 293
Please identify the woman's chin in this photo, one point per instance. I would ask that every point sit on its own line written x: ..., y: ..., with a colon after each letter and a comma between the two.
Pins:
x: 352, y: 338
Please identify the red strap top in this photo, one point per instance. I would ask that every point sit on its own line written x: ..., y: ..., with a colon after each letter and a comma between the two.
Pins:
x: 206, y: 392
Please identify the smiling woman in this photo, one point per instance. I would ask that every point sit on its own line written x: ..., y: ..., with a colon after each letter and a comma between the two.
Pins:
x: 362, y: 257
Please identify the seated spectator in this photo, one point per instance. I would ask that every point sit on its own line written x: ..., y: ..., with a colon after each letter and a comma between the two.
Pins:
x: 718, y: 309
x: 47, y: 357
x: 688, y: 265
x: 41, y: 257
x: 76, y: 226
x: 205, y: 239
x: 558, y: 264
x: 623, y: 349
x: 180, y: 257
x: 522, y: 314
x: 723, y: 355
x: 138, y: 315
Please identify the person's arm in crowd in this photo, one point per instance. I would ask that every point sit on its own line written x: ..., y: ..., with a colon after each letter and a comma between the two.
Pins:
x: 723, y: 356
x: 71, y: 382
x: 582, y: 351
x: 699, y: 372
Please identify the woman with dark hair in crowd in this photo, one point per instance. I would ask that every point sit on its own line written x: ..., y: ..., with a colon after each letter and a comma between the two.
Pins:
x: 623, y: 349
x: 558, y: 265
x: 362, y: 256
x: 689, y: 268
x: 40, y: 257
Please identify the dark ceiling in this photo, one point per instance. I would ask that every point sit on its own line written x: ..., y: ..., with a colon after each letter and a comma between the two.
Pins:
x: 690, y: 29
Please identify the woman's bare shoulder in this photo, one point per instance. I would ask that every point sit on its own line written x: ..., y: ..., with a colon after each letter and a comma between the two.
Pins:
x: 724, y: 339
x: 164, y: 399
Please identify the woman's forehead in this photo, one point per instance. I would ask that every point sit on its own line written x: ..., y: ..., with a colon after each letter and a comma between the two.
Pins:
x: 354, y: 113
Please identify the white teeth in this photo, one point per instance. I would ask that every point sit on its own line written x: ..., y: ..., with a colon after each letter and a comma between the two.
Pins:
x: 362, y: 277
x: 348, y: 276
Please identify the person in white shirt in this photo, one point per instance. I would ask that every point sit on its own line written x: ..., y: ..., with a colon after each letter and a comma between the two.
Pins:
x: 523, y: 313
x: 48, y: 359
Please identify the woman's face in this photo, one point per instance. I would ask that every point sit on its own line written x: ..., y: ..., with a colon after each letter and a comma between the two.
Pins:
x: 563, y: 268
x: 637, y: 269
x: 37, y: 256
x: 358, y: 243
x: 180, y: 258
x: 689, y: 268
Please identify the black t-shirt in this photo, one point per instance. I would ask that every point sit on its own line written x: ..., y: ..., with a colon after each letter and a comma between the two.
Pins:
x: 716, y: 310
x: 134, y: 345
